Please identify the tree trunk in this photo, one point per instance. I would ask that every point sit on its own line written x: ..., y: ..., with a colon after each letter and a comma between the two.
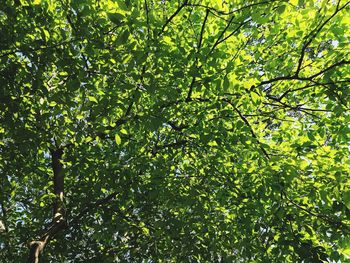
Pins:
x: 59, y: 221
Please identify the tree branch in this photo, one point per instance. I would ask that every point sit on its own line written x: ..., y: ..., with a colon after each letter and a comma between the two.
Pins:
x: 91, y: 206
x: 172, y: 16
x: 313, y: 34
x: 249, y: 126
x: 323, y: 217
x: 199, y: 45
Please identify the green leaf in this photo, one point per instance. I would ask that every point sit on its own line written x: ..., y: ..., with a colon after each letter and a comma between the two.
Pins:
x: 116, y: 18
x: 226, y: 84
x: 281, y: 9
x: 123, y: 4
x: 346, y: 198
x: 123, y: 37
x: 24, y: 3
x: 117, y: 138
x: 255, y: 98
x: 260, y: 18
x: 92, y: 99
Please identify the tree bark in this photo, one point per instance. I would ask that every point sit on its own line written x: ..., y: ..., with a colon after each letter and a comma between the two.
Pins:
x: 59, y: 221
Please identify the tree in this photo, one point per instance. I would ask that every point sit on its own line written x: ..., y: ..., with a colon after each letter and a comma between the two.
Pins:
x: 180, y: 131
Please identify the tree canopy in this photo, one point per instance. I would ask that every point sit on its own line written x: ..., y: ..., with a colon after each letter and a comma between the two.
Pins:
x: 174, y: 131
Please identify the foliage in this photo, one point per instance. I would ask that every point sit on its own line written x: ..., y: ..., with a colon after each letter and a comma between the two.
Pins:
x: 188, y: 131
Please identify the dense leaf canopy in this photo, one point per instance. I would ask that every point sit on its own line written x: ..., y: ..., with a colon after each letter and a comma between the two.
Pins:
x: 174, y: 131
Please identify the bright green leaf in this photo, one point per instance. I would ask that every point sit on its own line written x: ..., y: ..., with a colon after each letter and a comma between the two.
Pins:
x: 117, y: 138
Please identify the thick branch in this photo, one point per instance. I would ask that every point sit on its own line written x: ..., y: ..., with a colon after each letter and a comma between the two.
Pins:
x: 58, y: 182
x: 342, y: 62
x: 147, y: 19
x: 295, y: 77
